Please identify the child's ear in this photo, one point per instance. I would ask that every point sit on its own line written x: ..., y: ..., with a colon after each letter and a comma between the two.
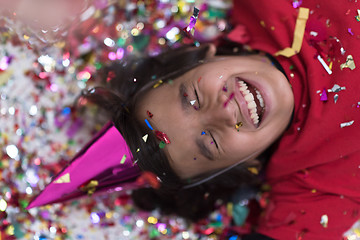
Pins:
x: 211, y: 51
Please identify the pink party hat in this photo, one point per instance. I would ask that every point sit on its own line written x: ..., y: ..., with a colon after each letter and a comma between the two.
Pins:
x: 104, y: 165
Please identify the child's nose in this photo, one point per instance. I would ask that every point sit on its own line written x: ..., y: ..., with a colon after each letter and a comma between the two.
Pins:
x: 221, y: 113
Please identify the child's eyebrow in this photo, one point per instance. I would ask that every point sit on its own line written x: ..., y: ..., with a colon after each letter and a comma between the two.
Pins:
x: 183, y: 97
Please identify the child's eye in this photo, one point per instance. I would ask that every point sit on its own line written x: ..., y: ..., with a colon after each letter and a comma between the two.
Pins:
x: 195, y: 103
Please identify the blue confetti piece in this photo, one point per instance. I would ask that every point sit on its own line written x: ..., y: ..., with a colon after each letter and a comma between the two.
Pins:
x: 147, y: 122
x: 66, y: 111
x: 202, y: 133
x: 233, y: 238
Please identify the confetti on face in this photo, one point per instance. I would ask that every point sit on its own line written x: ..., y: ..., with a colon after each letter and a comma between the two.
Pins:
x: 147, y: 123
x: 150, y: 115
x: 225, y: 89
x: 199, y: 79
x: 162, y: 144
x: 202, y: 133
x: 162, y: 136
x: 192, y: 102
x: 238, y: 125
x: 229, y: 99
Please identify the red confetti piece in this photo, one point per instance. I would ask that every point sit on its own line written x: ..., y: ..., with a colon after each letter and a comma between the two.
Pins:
x: 162, y: 137
x: 148, y: 178
x: 149, y: 114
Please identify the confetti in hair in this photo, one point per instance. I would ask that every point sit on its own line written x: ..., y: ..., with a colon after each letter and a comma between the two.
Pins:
x: 162, y: 136
x: 147, y: 123
x: 192, y: 22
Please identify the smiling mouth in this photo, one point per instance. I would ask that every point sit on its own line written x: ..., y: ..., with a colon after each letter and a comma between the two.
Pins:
x: 254, y: 100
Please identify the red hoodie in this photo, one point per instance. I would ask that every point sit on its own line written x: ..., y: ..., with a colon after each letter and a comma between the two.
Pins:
x: 315, y: 169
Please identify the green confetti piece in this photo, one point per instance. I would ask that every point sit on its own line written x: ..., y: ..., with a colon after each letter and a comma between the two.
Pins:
x: 162, y: 144
x: 123, y: 159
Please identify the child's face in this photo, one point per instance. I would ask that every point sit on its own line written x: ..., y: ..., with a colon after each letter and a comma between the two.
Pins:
x: 201, y: 111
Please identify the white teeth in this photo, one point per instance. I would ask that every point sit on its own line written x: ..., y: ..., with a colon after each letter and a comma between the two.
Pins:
x: 251, y: 105
x: 249, y: 98
x: 260, y: 98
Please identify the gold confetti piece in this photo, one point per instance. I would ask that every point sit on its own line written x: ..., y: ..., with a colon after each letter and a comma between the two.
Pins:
x: 123, y: 159
x: 298, y: 34
x: 145, y: 137
x: 349, y: 63
x: 253, y: 170
x: 239, y: 124
x: 324, y: 220
x: 90, y: 188
x: 229, y: 208
x: 63, y: 179
x: 5, y: 76
x: 158, y: 83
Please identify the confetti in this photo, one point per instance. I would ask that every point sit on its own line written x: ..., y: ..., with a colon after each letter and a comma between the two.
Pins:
x: 150, y: 115
x: 90, y: 187
x: 336, y: 97
x: 358, y: 16
x: 324, y: 220
x: 203, y: 133
x: 349, y: 63
x: 145, y: 137
x: 192, y: 102
x: 298, y: 34
x: 162, y: 144
x: 192, y: 22
x: 158, y: 83
x: 147, y: 123
x: 123, y: 159
x: 336, y: 88
x: 162, y: 136
x: 63, y: 179
x: 323, y: 96
x: 328, y: 70
x: 229, y: 99
x: 238, y: 125
x: 347, y: 124
x: 350, y: 31
x: 297, y: 3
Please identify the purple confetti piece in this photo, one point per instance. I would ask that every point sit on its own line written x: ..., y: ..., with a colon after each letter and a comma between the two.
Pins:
x: 296, y: 3
x: 191, y: 24
x: 74, y: 127
x: 324, y: 96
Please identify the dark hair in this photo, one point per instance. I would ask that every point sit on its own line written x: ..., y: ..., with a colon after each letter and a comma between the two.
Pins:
x: 127, y: 81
